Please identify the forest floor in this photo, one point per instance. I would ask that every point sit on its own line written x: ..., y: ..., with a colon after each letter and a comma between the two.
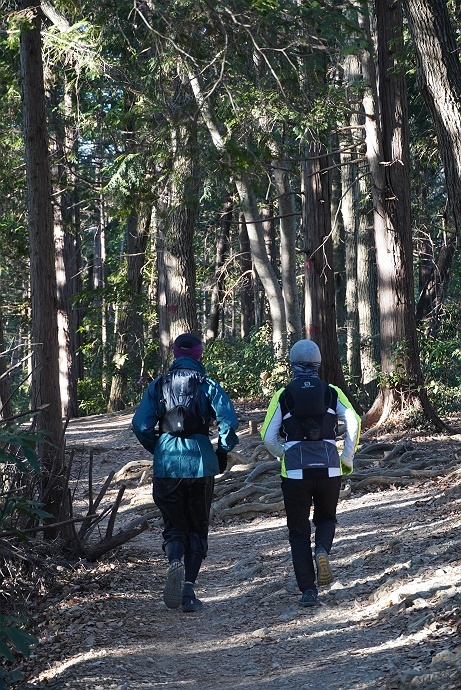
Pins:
x: 391, y: 619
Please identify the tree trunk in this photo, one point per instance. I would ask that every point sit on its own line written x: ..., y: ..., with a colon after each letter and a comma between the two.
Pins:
x: 179, y: 220
x: 439, y: 74
x: 247, y: 305
x: 320, y: 312
x: 399, y: 346
x: 128, y: 355
x: 254, y: 226
x: 339, y: 253
x: 367, y: 293
x: 222, y: 249
x: 286, y: 206
x: 45, y: 394
x: 6, y: 407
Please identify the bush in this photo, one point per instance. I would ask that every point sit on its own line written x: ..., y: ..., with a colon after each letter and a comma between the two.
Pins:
x: 17, y: 455
x: 246, y: 368
x: 91, y: 396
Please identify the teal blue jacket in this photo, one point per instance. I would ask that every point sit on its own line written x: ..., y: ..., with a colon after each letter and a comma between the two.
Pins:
x: 193, y: 456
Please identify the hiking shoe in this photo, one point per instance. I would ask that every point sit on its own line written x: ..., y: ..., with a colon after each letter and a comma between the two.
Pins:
x: 324, y: 574
x: 190, y: 603
x: 172, y: 592
x: 308, y: 598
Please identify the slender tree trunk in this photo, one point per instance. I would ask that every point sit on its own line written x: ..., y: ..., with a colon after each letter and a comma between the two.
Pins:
x: 255, y: 230
x: 129, y: 338
x: 286, y: 206
x: 247, y: 304
x: 367, y: 293
x: 6, y: 407
x: 339, y: 253
x: 179, y: 218
x: 349, y: 208
x: 222, y: 250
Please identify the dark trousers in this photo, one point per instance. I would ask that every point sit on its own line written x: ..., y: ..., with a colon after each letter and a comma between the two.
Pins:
x: 299, y: 495
x: 185, y: 506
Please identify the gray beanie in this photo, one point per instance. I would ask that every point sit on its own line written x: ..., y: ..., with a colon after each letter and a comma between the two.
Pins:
x: 305, y: 351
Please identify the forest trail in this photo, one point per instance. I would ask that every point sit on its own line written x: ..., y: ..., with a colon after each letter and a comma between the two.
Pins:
x: 390, y: 621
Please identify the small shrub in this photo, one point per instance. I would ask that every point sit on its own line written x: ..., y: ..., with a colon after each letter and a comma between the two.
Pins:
x: 245, y: 368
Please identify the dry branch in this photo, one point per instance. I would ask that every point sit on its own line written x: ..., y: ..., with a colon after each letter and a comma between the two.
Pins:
x: 124, y: 472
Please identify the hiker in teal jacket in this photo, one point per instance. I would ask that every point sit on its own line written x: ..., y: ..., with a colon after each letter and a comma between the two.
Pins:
x: 300, y: 430
x: 184, y: 471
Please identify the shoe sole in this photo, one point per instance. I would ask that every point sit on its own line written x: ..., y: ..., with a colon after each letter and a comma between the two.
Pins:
x: 192, y: 608
x: 324, y: 574
x: 308, y: 604
x: 172, y: 592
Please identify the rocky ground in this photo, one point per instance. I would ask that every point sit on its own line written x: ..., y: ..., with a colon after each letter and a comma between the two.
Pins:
x: 391, y: 620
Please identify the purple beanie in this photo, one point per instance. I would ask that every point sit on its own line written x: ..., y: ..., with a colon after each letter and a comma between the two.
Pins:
x: 187, y: 345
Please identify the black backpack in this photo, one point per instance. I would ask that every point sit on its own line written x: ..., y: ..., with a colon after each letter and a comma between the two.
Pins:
x: 179, y: 408
x: 308, y: 401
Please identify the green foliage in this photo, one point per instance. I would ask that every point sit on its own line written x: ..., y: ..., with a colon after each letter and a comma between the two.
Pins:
x: 17, y: 454
x: 14, y: 437
x: 14, y: 638
x: 246, y: 368
x: 441, y: 362
x: 91, y: 396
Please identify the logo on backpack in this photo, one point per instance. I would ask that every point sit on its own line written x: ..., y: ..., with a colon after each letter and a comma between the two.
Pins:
x: 308, y: 402
x: 179, y: 407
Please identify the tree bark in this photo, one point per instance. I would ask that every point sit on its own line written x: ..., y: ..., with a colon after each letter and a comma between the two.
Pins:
x: 399, y: 347
x: 128, y: 355
x: 179, y: 221
x: 6, y: 407
x: 286, y: 207
x: 320, y: 312
x: 247, y: 304
x: 45, y: 393
x: 439, y: 74
x: 222, y: 249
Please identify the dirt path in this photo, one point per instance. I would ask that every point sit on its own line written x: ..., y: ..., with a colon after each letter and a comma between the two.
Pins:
x: 391, y: 620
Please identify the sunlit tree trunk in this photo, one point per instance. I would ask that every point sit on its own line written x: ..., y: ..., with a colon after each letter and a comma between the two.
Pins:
x: 367, y: 292
x: 350, y: 213
x: 249, y: 206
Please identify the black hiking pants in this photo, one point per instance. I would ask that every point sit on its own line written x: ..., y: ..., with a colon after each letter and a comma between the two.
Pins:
x: 185, y: 506
x: 299, y: 495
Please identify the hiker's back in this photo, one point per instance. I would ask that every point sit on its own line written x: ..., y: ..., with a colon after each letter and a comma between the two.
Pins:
x: 183, y: 407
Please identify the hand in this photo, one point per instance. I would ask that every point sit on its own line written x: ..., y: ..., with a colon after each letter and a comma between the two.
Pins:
x: 222, y: 460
